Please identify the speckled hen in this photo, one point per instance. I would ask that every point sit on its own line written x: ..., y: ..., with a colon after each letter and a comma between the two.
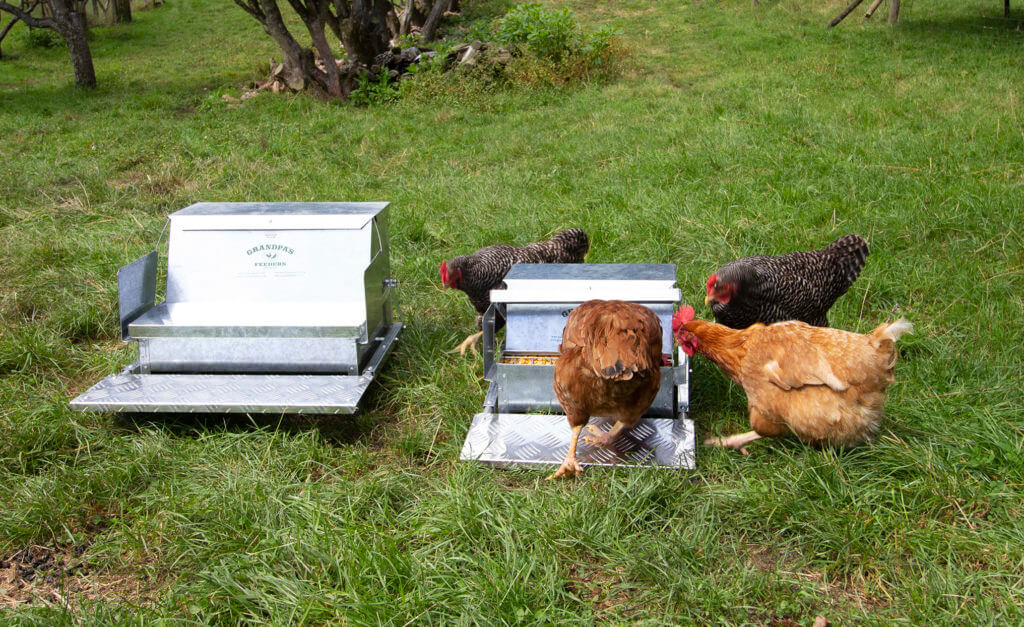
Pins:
x: 479, y: 273
x: 800, y: 285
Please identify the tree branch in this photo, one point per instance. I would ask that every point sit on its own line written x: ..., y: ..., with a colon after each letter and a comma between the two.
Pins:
x: 252, y: 9
x: 7, y: 29
x: 28, y: 18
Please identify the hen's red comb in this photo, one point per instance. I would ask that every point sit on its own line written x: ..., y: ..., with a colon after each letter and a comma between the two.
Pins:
x: 684, y: 315
x: 444, y: 272
x: 711, y: 282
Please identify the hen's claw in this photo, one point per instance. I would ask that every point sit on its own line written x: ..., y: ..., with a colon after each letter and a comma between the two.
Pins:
x: 468, y: 344
x: 569, y: 468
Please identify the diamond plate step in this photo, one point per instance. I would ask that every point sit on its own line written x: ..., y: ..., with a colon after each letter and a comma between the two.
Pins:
x: 544, y: 439
x: 212, y: 393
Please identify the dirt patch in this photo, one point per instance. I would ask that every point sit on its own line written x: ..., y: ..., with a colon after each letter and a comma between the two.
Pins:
x: 605, y: 589
x: 60, y: 577
x: 835, y: 592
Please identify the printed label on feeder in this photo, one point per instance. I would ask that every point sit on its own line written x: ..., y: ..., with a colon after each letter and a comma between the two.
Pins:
x: 270, y: 256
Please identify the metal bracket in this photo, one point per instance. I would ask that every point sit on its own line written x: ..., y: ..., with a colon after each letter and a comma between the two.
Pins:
x: 136, y: 290
x: 487, y: 323
x: 387, y: 343
x: 682, y: 382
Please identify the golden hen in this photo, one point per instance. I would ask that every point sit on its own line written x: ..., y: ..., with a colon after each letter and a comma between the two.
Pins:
x: 825, y: 386
x: 609, y: 364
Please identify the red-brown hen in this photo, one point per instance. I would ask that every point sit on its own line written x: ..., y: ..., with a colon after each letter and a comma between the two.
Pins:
x: 609, y: 364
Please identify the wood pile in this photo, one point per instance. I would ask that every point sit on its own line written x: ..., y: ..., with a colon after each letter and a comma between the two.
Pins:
x: 395, y: 62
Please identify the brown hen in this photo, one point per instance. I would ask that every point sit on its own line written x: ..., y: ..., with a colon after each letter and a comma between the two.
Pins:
x: 609, y: 364
x: 826, y: 386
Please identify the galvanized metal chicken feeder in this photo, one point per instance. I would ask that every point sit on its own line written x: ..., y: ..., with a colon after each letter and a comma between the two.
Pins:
x: 270, y: 307
x: 522, y: 421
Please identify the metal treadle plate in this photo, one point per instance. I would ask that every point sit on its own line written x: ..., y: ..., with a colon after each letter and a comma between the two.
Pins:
x: 544, y: 439
x: 214, y: 393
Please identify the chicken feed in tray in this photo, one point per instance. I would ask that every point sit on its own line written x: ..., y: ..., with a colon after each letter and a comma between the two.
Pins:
x: 522, y: 421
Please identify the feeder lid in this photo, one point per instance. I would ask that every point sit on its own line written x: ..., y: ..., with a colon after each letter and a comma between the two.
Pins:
x: 580, y: 282
x: 276, y: 215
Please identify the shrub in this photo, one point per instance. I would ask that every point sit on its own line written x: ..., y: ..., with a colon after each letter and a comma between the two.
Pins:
x: 43, y: 38
x: 552, y: 33
x: 561, y: 51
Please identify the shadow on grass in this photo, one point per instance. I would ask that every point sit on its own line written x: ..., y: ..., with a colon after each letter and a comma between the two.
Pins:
x: 338, y: 429
x: 976, y: 32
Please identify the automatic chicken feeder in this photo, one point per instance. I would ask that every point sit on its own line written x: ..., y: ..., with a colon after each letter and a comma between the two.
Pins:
x: 522, y: 421
x: 269, y: 308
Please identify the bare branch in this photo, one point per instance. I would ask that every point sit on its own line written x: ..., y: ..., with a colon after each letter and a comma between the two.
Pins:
x: 7, y: 29
x: 252, y: 9
x: 28, y: 18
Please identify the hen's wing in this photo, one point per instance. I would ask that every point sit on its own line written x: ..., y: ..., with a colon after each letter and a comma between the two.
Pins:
x: 794, y: 354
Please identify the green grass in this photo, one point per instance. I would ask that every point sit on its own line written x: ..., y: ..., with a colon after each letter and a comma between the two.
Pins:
x: 735, y: 130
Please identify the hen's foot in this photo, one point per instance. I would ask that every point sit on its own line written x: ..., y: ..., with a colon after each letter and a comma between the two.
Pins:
x: 569, y: 468
x: 738, y: 441
x: 468, y: 344
x: 600, y: 438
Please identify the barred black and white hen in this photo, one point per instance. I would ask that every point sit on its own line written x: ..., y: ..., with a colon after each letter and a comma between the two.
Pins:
x: 800, y: 285
x: 479, y: 273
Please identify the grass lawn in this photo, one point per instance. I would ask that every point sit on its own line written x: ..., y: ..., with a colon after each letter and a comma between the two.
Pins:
x: 735, y: 130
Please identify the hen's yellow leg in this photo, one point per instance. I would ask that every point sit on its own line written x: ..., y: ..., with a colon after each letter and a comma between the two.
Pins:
x: 738, y: 441
x: 570, y: 467
x: 469, y: 343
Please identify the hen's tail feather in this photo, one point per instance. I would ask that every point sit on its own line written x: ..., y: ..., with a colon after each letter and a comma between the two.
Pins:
x: 852, y: 252
x: 894, y: 330
x: 617, y: 348
x: 570, y: 245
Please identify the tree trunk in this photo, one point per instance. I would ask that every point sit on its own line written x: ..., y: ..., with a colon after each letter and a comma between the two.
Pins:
x: 316, y: 32
x: 300, y: 65
x: 81, y: 55
x: 871, y: 9
x: 429, y: 30
x: 894, y: 11
x: 365, y: 33
x: 70, y: 24
x: 404, y: 23
x: 122, y: 11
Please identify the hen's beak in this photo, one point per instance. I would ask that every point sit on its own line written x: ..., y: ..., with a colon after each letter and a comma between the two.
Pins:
x: 707, y: 299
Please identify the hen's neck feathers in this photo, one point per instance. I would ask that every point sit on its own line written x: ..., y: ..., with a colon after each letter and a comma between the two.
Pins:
x: 722, y: 345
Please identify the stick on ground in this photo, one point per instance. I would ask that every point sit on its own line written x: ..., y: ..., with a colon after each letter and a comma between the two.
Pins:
x: 849, y: 8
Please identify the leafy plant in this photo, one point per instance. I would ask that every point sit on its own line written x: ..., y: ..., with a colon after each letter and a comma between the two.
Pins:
x: 560, y: 49
x: 377, y: 89
x: 43, y: 38
x: 547, y: 33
